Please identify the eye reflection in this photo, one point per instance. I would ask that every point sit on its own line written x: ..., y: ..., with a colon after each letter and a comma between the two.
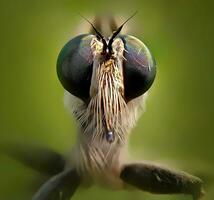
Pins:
x: 139, y: 67
x: 76, y: 60
x: 74, y: 66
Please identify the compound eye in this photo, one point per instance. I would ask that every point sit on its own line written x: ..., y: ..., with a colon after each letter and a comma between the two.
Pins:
x: 139, y: 67
x: 74, y: 66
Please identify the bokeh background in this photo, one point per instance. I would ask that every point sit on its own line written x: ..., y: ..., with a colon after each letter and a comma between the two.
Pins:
x: 177, y: 129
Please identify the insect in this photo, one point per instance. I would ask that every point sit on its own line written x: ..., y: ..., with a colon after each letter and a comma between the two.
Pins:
x: 106, y: 82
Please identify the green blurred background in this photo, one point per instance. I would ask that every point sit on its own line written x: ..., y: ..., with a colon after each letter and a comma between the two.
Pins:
x: 177, y: 128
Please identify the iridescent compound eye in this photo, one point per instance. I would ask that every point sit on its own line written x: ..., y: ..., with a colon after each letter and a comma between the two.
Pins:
x: 74, y: 66
x: 138, y: 67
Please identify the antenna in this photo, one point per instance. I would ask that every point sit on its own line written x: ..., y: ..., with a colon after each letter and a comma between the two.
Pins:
x: 115, y: 33
x: 98, y: 34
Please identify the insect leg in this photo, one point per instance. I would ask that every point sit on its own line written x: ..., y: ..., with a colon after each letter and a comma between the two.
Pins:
x: 39, y: 158
x: 159, y: 180
x: 60, y: 187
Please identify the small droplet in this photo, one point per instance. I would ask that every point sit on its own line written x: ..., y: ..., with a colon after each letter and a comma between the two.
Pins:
x: 110, y: 136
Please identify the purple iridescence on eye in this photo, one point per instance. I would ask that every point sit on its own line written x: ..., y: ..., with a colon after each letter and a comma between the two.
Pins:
x: 110, y: 136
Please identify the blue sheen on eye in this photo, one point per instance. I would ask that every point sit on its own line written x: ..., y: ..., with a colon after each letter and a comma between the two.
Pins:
x: 74, y: 66
x: 139, y: 67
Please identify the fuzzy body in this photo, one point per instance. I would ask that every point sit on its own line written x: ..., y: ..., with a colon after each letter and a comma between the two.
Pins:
x: 95, y: 157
